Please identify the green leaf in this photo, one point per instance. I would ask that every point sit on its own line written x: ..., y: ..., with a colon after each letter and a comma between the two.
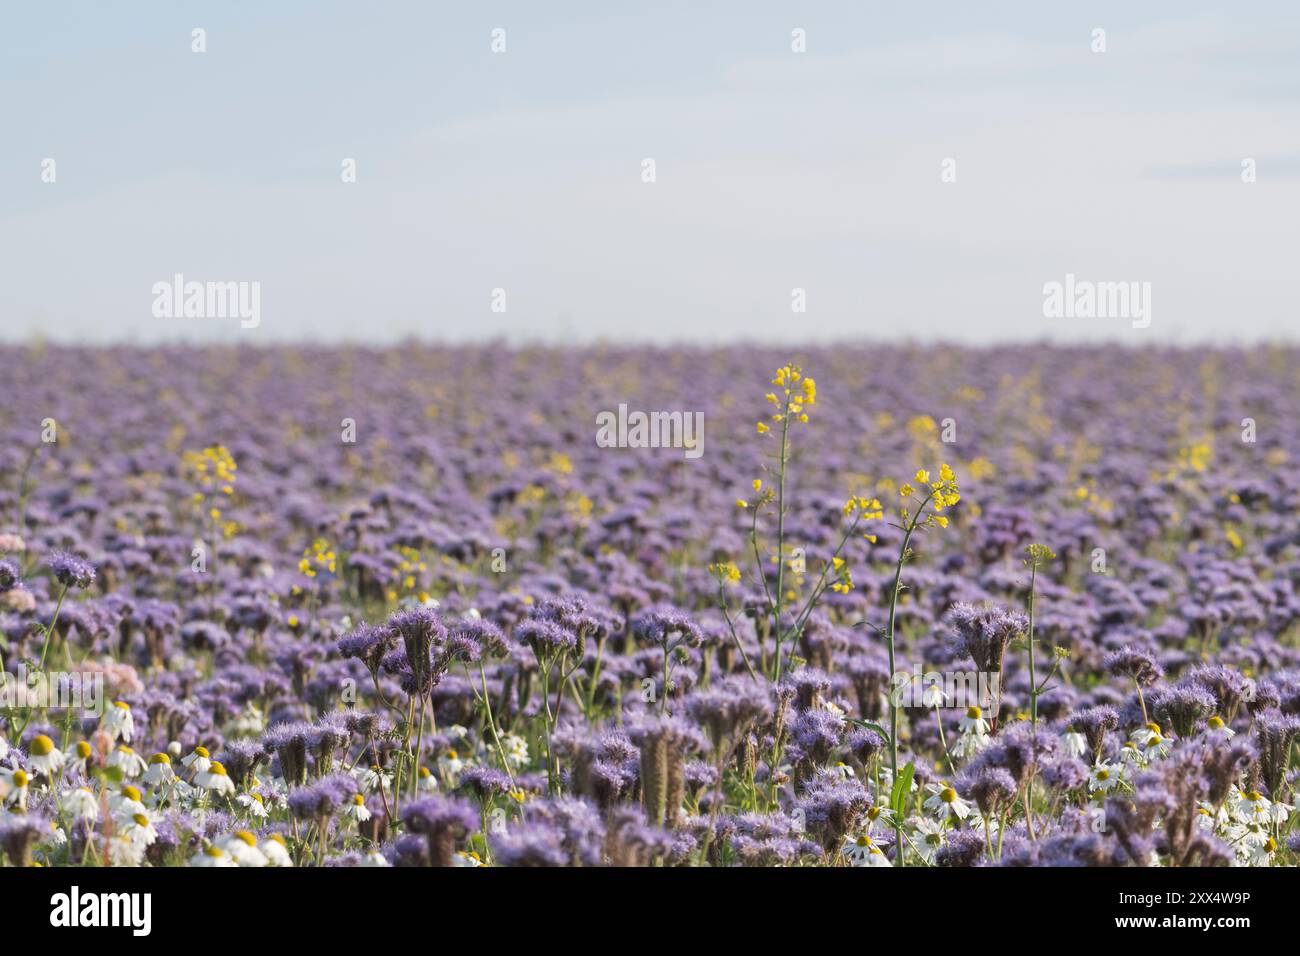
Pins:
x: 902, y: 787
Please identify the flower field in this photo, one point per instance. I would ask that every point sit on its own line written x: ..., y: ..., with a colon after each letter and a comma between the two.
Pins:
x: 883, y: 607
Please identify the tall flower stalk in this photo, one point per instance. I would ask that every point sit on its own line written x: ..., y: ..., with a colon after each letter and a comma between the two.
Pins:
x: 921, y: 512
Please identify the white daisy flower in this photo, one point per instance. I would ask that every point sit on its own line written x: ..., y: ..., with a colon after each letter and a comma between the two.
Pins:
x: 371, y: 778
x: 126, y: 802
x: 198, y: 760
x: 1252, y: 807
x: 376, y: 859
x: 276, y: 853
x: 75, y: 757
x: 1105, y: 776
x: 43, y: 756
x: 928, y: 837
x: 253, y: 805
x: 117, y: 721
x: 878, y: 817
x: 215, y: 779
x: 969, y: 744
x: 139, y: 828
x: 13, y: 787
x: 450, y: 764
x: 212, y: 856
x: 130, y: 762
x: 159, y: 772
x: 1215, y: 728
x: 863, y: 851
x: 427, y: 781
x: 357, y: 809
x: 124, y: 851
x: 1074, y: 744
x: 973, y: 722
x: 1131, y: 754
x: 932, y: 695
x: 242, y: 847
x: 944, y: 802
x: 1152, y: 740
x: 1261, y: 853
x: 80, y: 804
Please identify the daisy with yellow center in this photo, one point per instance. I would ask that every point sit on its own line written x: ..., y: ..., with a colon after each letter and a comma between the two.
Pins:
x: 215, y: 779
x: 43, y: 756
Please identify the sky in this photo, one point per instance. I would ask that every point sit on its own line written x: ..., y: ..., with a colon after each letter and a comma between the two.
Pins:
x: 518, y: 179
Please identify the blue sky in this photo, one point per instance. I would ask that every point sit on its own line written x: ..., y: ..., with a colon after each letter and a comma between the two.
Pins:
x: 775, y: 170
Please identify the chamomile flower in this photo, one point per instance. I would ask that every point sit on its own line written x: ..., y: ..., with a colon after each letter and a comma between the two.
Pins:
x: 376, y: 859
x: 127, y: 801
x: 932, y: 695
x: 1211, y: 819
x: 373, y: 778
x: 212, y: 856
x: 973, y: 722
x: 276, y: 853
x: 466, y: 858
x: 198, y: 760
x: 253, y: 805
x: 13, y: 784
x: 80, y: 804
x: 1152, y: 740
x: 124, y: 851
x: 927, y: 837
x: 878, y: 818
x: 1074, y: 744
x: 427, y: 781
x: 139, y: 827
x: 215, y: 779
x: 1259, y: 853
x: 863, y: 851
x: 76, y: 756
x: 130, y: 762
x: 159, y: 772
x: 241, y: 846
x: 944, y: 802
x: 43, y: 756
x: 1216, y: 729
x: 117, y: 721
x: 450, y: 764
x: 969, y: 744
x: 357, y: 810
x: 1132, y: 755
x: 1105, y: 777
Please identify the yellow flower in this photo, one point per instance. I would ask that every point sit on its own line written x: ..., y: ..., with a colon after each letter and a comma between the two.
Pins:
x: 742, y: 503
x: 906, y: 491
x: 726, y: 571
x: 945, y: 473
x: 758, y: 484
x: 922, y: 477
x: 762, y: 428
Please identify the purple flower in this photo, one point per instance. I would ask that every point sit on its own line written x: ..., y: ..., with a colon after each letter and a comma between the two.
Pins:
x: 70, y: 570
